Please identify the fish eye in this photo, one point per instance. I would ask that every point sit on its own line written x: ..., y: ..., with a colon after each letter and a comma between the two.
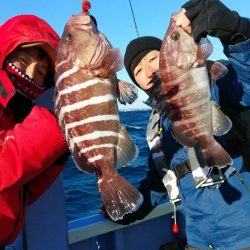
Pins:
x: 175, y: 36
x: 68, y: 38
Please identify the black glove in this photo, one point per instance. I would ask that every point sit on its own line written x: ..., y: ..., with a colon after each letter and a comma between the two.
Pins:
x: 20, y: 106
x: 211, y: 17
x: 145, y: 208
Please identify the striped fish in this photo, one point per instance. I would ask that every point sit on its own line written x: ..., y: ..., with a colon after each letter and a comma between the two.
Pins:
x: 86, y: 108
x: 185, y: 95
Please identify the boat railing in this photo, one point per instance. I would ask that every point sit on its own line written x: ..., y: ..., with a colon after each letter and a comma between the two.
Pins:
x: 82, y: 229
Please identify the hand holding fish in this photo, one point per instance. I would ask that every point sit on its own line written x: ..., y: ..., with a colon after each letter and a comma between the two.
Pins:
x: 181, y: 20
x: 205, y: 18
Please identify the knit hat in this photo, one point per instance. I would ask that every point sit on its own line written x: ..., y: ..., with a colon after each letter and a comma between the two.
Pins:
x: 136, y: 50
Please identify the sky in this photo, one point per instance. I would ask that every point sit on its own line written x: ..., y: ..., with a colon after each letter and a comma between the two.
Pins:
x: 116, y: 21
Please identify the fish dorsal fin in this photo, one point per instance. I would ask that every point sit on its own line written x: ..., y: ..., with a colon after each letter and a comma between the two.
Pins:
x: 127, y: 92
x: 217, y: 69
x: 181, y: 137
x: 111, y: 63
x: 126, y: 149
x: 205, y: 49
x: 220, y: 122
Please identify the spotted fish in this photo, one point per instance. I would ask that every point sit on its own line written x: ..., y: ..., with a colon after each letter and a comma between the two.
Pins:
x: 86, y: 106
x: 185, y: 95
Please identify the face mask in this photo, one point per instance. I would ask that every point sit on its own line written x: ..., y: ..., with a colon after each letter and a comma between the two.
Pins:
x: 23, y: 83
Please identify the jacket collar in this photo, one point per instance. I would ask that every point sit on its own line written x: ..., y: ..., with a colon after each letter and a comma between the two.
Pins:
x: 7, y: 90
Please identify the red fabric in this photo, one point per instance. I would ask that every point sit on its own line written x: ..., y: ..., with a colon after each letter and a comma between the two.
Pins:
x: 28, y: 150
x: 25, y: 29
x: 27, y: 153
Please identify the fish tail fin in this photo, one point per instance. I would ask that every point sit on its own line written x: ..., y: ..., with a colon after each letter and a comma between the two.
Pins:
x: 215, y: 155
x: 119, y: 196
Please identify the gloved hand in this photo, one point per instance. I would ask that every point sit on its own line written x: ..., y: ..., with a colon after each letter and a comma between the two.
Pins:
x: 215, y: 19
x: 151, y: 198
x: 139, y: 214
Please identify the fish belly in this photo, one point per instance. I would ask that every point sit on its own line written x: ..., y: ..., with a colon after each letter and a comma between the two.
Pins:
x: 190, y: 106
x: 88, y: 115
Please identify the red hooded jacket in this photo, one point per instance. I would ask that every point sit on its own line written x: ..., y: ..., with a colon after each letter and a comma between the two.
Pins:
x: 28, y: 150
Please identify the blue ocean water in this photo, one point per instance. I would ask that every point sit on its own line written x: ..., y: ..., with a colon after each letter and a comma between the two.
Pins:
x: 81, y: 192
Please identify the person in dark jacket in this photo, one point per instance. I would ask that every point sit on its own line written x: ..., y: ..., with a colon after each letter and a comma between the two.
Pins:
x: 217, y: 214
x: 32, y: 148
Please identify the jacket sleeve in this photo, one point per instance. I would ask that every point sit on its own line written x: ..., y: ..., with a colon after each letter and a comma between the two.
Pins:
x: 212, y: 17
x: 30, y: 148
x: 37, y: 186
x: 239, y: 57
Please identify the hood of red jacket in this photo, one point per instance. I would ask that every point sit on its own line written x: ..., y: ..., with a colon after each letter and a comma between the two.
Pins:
x: 19, y: 30
x: 24, y: 29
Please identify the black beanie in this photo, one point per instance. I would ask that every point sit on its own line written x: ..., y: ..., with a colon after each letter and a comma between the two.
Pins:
x: 136, y: 50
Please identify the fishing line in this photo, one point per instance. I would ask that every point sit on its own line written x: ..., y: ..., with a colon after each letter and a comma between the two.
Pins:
x: 134, y: 18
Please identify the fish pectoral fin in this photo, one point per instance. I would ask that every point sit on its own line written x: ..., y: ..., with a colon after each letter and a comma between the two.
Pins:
x: 112, y: 63
x: 217, y: 69
x: 182, y: 137
x: 127, y: 92
x: 221, y: 124
x: 127, y: 151
x: 205, y: 49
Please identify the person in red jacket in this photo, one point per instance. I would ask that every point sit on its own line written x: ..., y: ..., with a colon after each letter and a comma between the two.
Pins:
x: 32, y: 148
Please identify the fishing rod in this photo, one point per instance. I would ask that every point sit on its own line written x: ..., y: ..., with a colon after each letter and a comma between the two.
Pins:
x: 134, y: 18
x: 86, y: 6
